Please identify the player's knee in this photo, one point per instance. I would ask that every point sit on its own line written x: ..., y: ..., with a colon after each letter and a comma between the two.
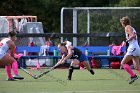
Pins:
x: 123, y: 63
x: 71, y: 67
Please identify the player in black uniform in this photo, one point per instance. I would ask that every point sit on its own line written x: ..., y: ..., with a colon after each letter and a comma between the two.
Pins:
x: 70, y: 52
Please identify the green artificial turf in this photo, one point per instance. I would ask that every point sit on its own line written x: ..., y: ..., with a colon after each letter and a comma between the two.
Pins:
x: 104, y: 81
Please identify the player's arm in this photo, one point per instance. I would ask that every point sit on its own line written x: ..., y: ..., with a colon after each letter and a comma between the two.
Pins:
x: 59, y: 62
x: 11, y: 47
x: 69, y: 54
x: 130, y: 32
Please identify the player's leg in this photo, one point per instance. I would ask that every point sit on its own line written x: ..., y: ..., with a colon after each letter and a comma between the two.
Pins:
x: 73, y: 63
x: 88, y: 67
x: 15, y: 70
x: 136, y: 64
x: 8, y: 72
x: 15, y: 67
x: 83, y: 58
x: 126, y: 67
x: 7, y: 61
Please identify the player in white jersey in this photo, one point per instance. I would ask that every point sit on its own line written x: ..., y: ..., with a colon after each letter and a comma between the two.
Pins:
x: 7, y: 56
x: 133, y: 50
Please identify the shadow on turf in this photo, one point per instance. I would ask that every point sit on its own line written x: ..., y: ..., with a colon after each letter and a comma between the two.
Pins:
x: 53, y: 79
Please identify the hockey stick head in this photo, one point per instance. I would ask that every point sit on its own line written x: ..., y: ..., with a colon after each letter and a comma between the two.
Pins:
x: 34, y: 76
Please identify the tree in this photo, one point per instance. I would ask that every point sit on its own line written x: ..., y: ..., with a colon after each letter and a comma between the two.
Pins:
x: 128, y: 3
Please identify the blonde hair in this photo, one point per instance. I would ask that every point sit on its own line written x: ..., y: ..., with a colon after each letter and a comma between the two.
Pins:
x: 125, y: 20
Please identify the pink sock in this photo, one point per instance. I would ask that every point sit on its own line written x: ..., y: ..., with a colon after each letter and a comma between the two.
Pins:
x: 15, y: 67
x: 8, y: 71
x: 138, y: 70
x: 128, y: 69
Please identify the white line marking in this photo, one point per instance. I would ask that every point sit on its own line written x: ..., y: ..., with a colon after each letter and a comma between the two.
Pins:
x: 96, y: 91
x: 101, y: 91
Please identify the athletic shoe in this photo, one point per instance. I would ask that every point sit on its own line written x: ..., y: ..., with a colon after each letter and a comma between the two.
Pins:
x: 133, y: 79
x: 18, y: 77
x: 69, y: 78
x: 11, y: 79
x: 92, y: 72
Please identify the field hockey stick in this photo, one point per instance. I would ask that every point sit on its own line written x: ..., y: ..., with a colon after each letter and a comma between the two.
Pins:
x: 34, y: 76
x: 42, y: 74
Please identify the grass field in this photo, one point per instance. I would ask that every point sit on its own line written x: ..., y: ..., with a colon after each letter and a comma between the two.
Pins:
x: 104, y: 81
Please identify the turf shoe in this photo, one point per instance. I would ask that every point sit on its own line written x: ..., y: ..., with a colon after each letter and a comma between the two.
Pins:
x: 69, y: 78
x: 91, y: 71
x: 18, y: 77
x: 11, y: 79
x: 133, y: 79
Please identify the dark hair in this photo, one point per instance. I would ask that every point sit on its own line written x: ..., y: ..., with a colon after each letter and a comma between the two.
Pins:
x: 12, y: 33
x: 62, y: 44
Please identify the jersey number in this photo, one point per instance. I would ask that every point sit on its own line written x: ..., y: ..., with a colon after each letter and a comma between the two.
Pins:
x: 76, y: 56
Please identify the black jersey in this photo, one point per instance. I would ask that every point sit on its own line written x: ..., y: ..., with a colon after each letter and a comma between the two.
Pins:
x: 76, y: 53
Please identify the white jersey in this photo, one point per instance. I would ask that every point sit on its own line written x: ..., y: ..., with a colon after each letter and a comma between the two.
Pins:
x: 4, y: 47
x: 134, y: 42
x: 133, y: 48
x: 68, y: 43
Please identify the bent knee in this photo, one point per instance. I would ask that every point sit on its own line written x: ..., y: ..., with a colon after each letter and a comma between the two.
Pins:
x: 122, y: 63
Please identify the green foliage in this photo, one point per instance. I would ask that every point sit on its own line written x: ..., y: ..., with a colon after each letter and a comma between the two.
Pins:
x: 11, y: 7
x: 48, y: 11
x: 129, y: 3
x: 101, y: 21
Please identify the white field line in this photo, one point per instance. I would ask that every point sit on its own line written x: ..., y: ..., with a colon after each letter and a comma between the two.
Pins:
x: 96, y: 91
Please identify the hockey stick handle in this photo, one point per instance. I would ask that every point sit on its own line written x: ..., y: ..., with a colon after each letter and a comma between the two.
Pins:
x: 34, y: 76
x: 42, y: 74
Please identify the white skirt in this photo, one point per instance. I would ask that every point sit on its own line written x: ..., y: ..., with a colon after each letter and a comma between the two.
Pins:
x: 133, y: 52
x: 2, y: 55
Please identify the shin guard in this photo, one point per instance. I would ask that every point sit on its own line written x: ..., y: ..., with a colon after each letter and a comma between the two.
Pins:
x: 70, y: 72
